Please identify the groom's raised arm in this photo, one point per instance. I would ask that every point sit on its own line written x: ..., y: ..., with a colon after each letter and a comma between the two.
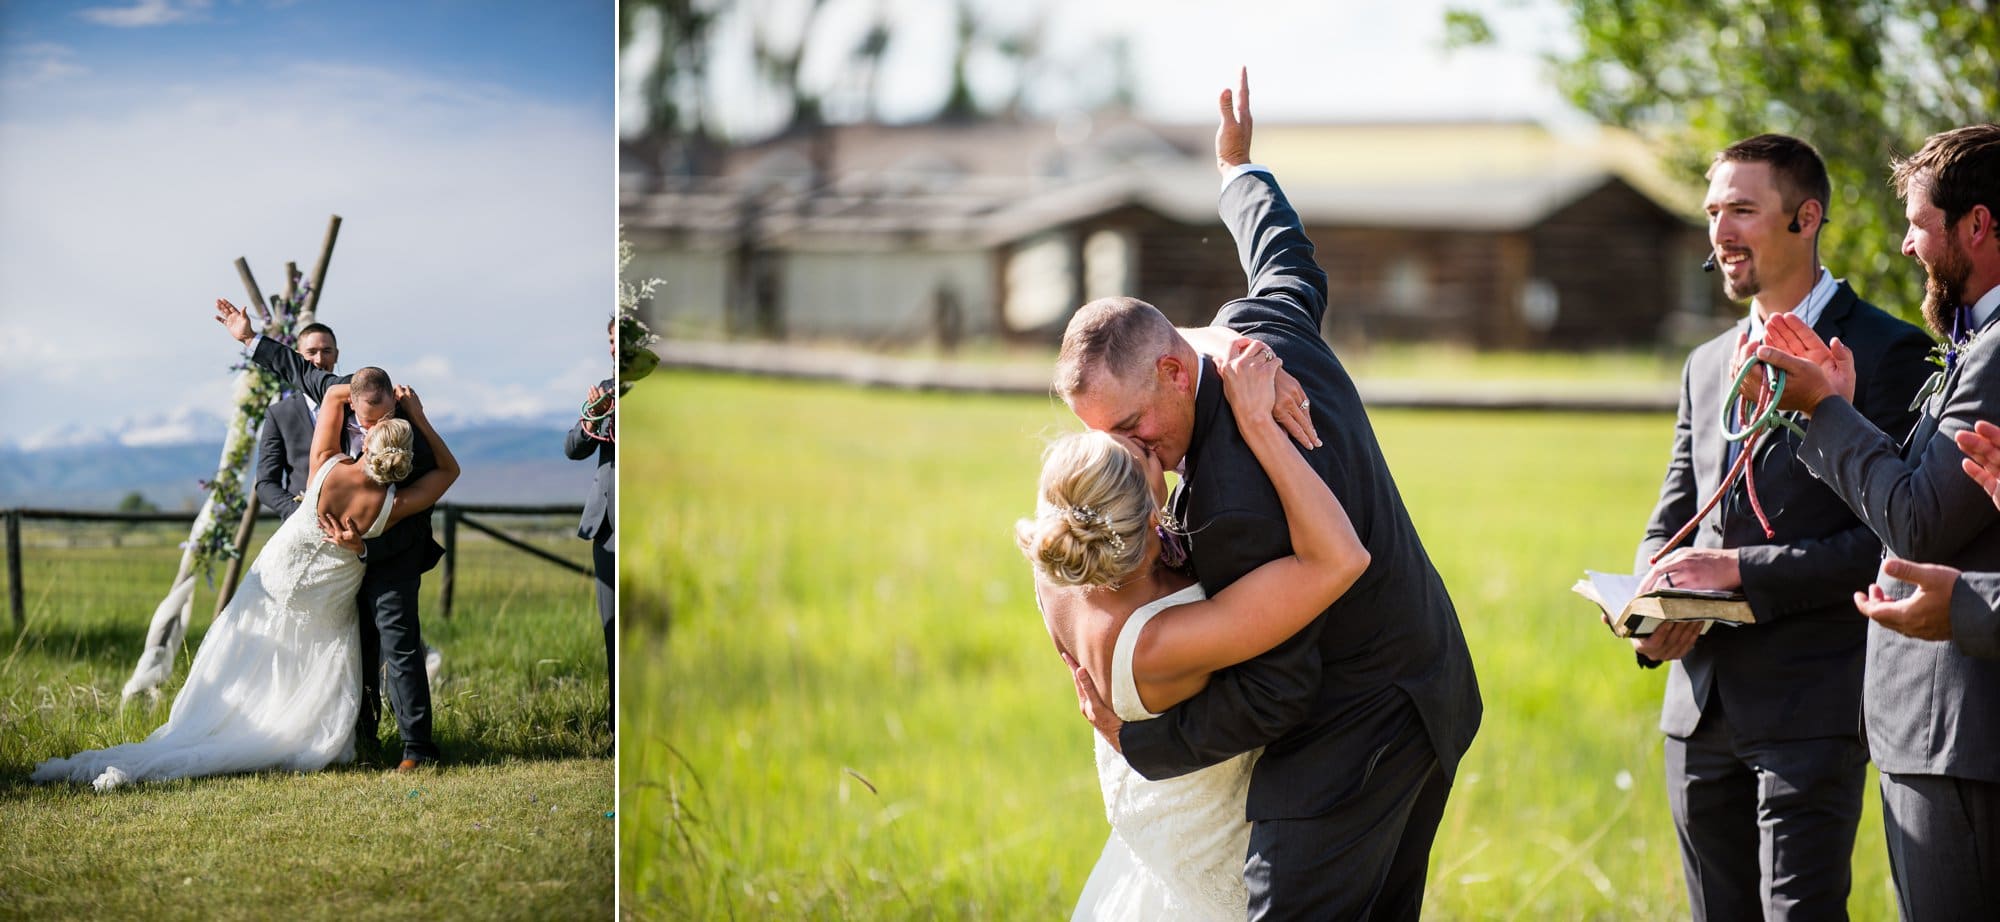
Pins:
x: 290, y: 367
x: 1286, y: 287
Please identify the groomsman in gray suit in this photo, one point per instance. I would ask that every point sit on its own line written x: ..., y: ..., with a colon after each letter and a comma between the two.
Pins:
x: 1932, y: 704
x: 284, y: 445
x: 1765, y: 765
x: 1963, y: 608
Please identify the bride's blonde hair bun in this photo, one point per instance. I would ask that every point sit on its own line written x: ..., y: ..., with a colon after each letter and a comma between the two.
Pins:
x: 389, y: 457
x: 1091, y: 513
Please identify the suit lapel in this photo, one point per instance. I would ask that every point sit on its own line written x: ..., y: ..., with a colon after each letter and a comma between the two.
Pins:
x: 1928, y: 422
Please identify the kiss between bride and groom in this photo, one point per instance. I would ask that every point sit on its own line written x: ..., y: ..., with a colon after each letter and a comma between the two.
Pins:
x: 1289, y: 688
x: 278, y: 681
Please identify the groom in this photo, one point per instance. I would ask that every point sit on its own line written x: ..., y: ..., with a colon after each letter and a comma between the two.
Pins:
x: 397, y: 560
x: 1365, y: 712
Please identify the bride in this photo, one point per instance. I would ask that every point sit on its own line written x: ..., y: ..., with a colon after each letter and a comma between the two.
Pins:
x: 277, y: 680
x: 1148, y: 633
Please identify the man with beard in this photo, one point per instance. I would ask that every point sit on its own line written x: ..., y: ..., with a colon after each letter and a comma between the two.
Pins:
x: 1765, y: 766
x: 1932, y: 704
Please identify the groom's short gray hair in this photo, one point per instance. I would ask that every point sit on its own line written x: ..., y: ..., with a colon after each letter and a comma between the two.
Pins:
x: 372, y: 385
x: 1121, y: 337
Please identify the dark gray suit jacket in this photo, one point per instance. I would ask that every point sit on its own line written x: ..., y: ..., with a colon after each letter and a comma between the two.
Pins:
x: 406, y: 550
x: 600, y: 509
x: 284, y: 449
x: 1975, y: 615
x: 1930, y: 709
x: 1392, y: 641
x: 1796, y: 673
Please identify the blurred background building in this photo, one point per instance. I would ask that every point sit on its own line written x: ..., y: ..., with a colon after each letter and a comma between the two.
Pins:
x: 1491, y: 234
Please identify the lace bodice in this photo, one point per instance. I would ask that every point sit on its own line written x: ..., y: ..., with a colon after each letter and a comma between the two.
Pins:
x: 1187, y: 832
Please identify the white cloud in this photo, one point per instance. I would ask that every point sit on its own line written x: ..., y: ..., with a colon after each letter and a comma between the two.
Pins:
x: 144, y: 13
x: 477, y: 245
x: 36, y: 64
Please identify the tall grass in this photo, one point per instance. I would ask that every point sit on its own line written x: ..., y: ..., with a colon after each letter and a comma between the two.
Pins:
x: 840, y: 703
x: 514, y: 825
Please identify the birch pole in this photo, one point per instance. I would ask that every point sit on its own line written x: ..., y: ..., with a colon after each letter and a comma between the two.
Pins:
x: 248, y: 523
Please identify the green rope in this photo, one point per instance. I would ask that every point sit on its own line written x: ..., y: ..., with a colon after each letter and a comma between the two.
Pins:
x: 1733, y: 399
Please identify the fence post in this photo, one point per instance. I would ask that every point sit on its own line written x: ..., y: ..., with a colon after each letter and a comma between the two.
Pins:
x: 450, y: 554
x: 14, y: 569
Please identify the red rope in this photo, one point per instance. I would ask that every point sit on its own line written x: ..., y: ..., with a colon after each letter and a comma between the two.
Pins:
x: 1741, y: 469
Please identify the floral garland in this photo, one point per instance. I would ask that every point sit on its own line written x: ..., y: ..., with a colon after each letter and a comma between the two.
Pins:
x: 214, y: 535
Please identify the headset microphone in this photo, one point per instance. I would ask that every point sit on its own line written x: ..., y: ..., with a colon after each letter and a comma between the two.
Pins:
x: 1709, y: 265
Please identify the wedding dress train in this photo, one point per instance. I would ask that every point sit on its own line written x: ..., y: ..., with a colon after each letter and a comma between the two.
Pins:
x: 276, y: 683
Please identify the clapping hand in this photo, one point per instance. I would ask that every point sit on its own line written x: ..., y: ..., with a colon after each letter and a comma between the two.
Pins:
x: 341, y: 531
x: 591, y: 402
x: 1814, y: 370
x: 1926, y: 614
x: 1981, y: 445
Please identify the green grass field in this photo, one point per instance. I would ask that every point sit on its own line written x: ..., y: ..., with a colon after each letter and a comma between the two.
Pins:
x: 839, y: 701
x: 514, y: 825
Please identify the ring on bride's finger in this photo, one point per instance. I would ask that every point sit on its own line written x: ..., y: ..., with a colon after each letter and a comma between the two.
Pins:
x: 1304, y: 404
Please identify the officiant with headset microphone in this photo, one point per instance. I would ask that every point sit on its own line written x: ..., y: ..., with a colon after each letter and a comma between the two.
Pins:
x: 1763, y: 752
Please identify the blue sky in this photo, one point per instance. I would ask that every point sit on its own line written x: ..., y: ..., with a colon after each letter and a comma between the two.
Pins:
x: 145, y: 144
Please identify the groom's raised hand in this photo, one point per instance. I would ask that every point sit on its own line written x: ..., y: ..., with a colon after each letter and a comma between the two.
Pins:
x: 1232, y: 136
x: 234, y: 320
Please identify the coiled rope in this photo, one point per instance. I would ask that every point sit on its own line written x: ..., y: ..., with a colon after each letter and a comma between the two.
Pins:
x: 1762, y: 419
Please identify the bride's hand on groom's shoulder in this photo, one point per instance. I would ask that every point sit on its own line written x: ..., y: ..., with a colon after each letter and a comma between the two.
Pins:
x: 1249, y: 375
x: 406, y: 397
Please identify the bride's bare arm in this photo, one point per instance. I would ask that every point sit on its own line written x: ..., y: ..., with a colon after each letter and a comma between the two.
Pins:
x: 1183, y: 644
x: 326, y: 430
x: 419, y: 495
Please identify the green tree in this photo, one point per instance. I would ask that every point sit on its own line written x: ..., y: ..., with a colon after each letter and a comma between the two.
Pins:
x: 1862, y: 80
x: 136, y: 501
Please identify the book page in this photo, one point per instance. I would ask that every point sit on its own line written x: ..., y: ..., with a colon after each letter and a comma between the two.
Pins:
x: 1614, y: 590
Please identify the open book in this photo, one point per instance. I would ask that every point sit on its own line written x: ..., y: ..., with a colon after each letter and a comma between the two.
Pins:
x: 1634, y: 615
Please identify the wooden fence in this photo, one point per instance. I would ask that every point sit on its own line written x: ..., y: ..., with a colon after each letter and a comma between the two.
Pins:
x: 454, y: 515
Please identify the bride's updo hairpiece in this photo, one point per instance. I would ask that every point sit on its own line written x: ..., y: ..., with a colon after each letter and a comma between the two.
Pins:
x: 389, y: 458
x: 1091, y: 512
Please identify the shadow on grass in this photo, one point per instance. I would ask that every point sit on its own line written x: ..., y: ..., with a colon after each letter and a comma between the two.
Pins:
x: 14, y: 783
x: 107, y: 644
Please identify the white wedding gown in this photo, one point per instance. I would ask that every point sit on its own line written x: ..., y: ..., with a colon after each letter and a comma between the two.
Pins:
x: 1177, y: 846
x: 277, y: 681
